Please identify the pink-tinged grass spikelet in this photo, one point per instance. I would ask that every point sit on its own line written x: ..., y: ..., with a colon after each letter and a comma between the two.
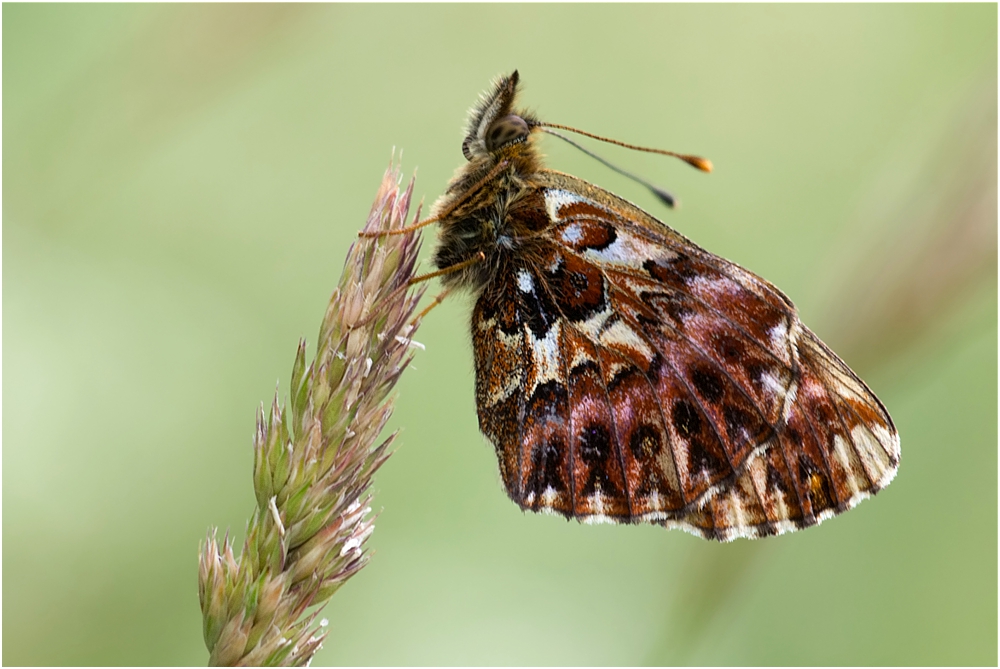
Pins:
x: 313, y: 465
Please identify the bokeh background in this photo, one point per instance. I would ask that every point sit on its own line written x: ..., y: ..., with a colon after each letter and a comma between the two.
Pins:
x: 180, y: 187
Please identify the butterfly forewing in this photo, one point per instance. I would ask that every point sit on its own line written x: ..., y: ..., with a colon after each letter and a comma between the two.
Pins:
x: 624, y: 374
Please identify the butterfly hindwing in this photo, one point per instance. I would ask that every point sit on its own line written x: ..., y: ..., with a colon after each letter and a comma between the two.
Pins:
x: 624, y: 374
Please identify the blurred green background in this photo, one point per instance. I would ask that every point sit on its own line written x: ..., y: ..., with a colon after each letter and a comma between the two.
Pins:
x: 181, y: 184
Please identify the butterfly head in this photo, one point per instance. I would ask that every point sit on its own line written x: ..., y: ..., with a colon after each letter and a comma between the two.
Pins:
x: 495, y: 128
x: 498, y: 133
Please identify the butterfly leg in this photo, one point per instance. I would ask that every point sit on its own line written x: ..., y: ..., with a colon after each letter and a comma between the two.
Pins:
x: 401, y: 231
x: 479, y: 257
x: 457, y: 267
x: 444, y: 214
x: 436, y: 301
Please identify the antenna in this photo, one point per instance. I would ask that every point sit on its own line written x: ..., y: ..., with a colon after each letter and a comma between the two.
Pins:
x: 703, y: 164
x: 665, y: 197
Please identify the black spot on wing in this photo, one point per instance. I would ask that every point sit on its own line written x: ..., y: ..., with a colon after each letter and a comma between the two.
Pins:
x: 730, y: 348
x: 686, y: 419
x: 775, y: 481
x: 547, y: 470
x: 741, y: 425
x: 701, y: 458
x: 705, y: 454
x: 548, y: 401
x: 595, y: 450
x: 708, y: 383
x: 595, y: 444
x: 539, y: 311
x: 645, y: 442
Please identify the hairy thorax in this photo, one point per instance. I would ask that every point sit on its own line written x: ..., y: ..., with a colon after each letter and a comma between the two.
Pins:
x: 499, y: 218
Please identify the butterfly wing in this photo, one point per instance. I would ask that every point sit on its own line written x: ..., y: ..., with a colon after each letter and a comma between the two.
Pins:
x: 834, y: 446
x: 624, y: 374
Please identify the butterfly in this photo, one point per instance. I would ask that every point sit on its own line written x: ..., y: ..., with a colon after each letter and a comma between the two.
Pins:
x: 624, y: 374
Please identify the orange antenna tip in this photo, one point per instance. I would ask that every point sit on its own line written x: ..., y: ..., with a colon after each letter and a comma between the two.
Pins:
x: 703, y: 164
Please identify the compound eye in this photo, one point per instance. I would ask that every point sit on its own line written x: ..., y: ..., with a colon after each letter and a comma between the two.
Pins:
x: 505, y: 131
